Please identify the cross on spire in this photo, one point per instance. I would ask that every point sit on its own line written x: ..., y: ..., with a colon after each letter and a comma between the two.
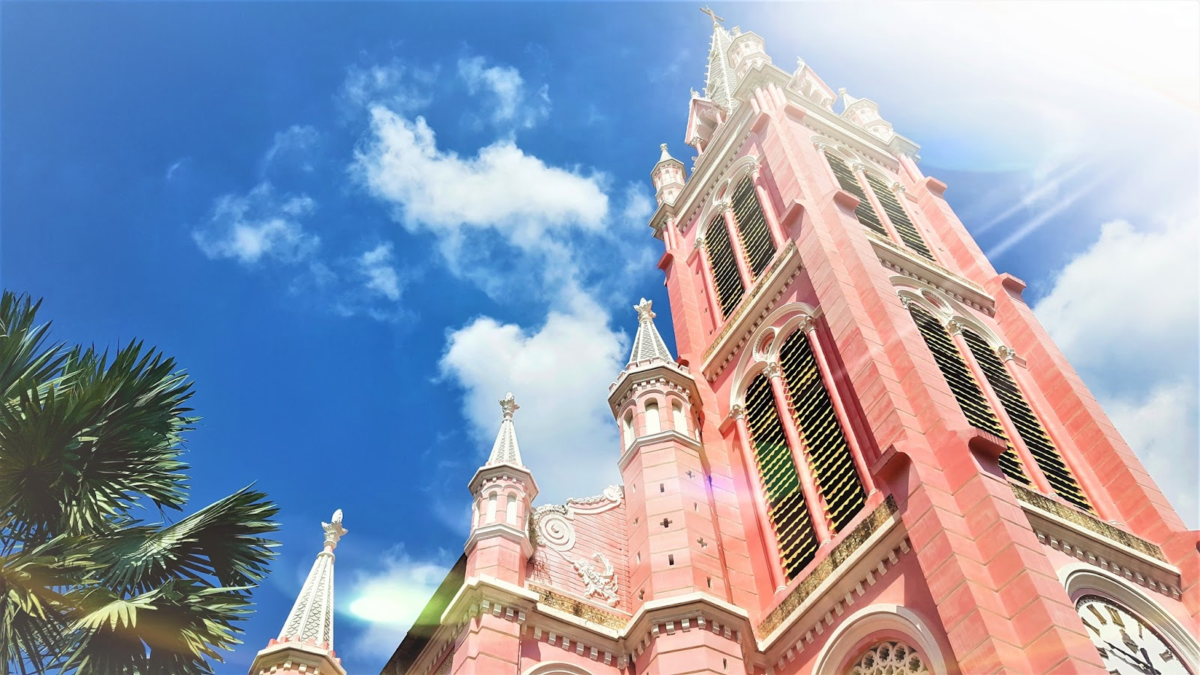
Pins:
x: 707, y: 10
x: 648, y: 344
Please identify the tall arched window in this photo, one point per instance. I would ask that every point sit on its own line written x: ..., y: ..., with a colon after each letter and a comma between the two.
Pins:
x: 900, y: 220
x: 627, y: 423
x: 510, y: 509
x: 825, y: 443
x: 849, y: 182
x: 787, y: 510
x: 1030, y: 428
x: 491, y: 512
x: 721, y: 259
x: 678, y: 419
x: 653, y: 423
x: 965, y: 389
x: 752, y: 226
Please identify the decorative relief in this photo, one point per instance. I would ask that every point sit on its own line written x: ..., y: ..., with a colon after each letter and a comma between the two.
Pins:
x: 580, y: 609
x: 890, y: 658
x: 554, y: 526
x: 1088, y: 522
x: 599, y: 583
x: 1006, y: 353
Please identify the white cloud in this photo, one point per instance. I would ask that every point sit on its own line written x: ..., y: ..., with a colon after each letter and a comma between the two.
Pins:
x: 389, y: 599
x: 501, y: 189
x: 1135, y: 342
x: 378, y: 268
x: 176, y: 166
x: 513, y: 105
x: 293, y: 146
x: 258, y: 225
x: 559, y: 373
x: 395, y: 85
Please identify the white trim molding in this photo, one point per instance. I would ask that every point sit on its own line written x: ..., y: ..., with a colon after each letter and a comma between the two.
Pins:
x: 874, y: 619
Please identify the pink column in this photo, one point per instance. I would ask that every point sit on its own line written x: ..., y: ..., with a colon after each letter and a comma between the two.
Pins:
x: 816, y: 508
x: 768, y: 209
x: 739, y: 254
x: 809, y: 326
x: 1031, y: 467
x: 1081, y: 470
x: 760, y: 502
x: 861, y: 175
x: 706, y: 274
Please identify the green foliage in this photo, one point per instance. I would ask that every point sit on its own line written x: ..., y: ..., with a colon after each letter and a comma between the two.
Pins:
x: 86, y: 442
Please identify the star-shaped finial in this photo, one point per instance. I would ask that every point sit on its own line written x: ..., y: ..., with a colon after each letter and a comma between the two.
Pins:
x: 509, y: 405
x: 644, y: 311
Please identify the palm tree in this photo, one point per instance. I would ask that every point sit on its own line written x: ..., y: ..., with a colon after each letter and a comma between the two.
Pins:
x: 88, y: 444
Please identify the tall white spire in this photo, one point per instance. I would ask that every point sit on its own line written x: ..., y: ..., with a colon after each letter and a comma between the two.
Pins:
x: 648, y: 344
x: 720, y: 81
x: 311, y: 618
x: 505, y: 450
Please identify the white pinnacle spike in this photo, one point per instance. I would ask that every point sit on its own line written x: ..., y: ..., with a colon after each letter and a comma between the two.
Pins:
x: 648, y: 344
x: 505, y: 450
x: 311, y: 618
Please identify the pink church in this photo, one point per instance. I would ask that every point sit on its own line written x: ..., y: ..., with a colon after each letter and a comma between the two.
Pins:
x: 868, y: 458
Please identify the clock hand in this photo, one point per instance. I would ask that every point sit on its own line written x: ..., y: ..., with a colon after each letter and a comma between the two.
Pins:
x: 1149, y: 663
x: 1131, y: 657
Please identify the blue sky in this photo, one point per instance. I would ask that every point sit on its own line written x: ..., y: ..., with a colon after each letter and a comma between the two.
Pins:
x: 358, y: 225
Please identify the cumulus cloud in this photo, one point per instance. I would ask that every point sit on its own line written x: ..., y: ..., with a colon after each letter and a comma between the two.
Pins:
x: 512, y: 106
x: 559, y: 373
x: 501, y: 188
x: 1135, y: 343
x: 395, y: 85
x: 377, y: 265
x: 258, y: 225
x: 389, y: 598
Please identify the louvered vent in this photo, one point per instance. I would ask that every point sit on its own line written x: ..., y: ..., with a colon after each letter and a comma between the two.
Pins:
x: 849, y: 182
x: 779, y: 480
x: 966, y: 390
x: 895, y: 212
x: 1047, y: 456
x: 724, y: 267
x: 752, y: 225
x: 828, y: 452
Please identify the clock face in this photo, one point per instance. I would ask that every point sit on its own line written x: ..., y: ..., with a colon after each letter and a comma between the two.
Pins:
x: 1127, y: 644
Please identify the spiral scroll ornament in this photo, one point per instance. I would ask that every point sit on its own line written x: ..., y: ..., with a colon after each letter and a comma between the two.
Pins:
x: 555, y: 530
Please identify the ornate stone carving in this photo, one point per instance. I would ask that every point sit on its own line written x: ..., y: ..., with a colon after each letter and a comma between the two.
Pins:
x: 954, y: 327
x: 554, y: 527
x: 509, y: 405
x: 737, y: 412
x: 601, y: 583
x: 888, y: 658
x: 773, y: 370
x: 807, y: 324
x: 334, y: 530
x: 1006, y: 353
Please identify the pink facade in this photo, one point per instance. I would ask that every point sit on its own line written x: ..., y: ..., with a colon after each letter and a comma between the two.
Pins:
x: 868, y: 454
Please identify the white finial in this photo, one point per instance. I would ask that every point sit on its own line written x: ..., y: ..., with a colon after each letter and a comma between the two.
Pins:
x: 644, y: 311
x: 648, y: 344
x: 665, y: 156
x: 509, y: 405
x: 334, y: 530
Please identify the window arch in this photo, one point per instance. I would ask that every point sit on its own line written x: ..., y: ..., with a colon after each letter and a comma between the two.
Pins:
x: 752, y: 227
x: 787, y: 510
x: 828, y: 452
x: 721, y: 258
x: 965, y: 388
x: 651, y: 419
x: 678, y: 418
x: 849, y: 182
x: 627, y: 426
x: 909, y: 235
x: 1028, y: 426
x: 874, y: 625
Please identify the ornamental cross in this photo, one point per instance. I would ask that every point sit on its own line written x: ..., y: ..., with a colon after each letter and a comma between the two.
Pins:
x: 708, y: 11
x: 509, y: 405
x: 644, y: 311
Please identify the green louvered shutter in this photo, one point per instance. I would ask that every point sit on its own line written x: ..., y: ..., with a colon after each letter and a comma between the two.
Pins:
x: 752, y: 224
x: 1040, y: 445
x: 780, y: 483
x: 724, y: 267
x: 966, y: 390
x: 816, y: 420
x: 849, y: 182
x: 895, y: 212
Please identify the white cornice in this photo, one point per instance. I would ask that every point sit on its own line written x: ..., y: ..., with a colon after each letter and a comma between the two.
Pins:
x: 893, y: 257
x: 642, y: 441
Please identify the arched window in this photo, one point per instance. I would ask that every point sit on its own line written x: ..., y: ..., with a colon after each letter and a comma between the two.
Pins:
x: 491, y: 512
x: 828, y: 453
x: 778, y: 478
x: 890, y: 657
x: 678, y: 418
x: 627, y: 422
x: 752, y: 226
x: 1040, y: 445
x: 510, y: 509
x: 966, y: 390
x: 653, y: 423
x: 900, y: 220
x: 726, y: 276
x: 849, y: 182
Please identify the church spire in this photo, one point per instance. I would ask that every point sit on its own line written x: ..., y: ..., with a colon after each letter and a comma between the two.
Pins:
x: 505, y: 450
x: 719, y: 82
x: 306, y: 639
x: 648, y: 344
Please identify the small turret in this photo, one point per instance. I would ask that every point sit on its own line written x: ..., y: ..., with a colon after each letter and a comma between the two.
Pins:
x: 865, y: 113
x: 669, y: 176
x: 503, y: 491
